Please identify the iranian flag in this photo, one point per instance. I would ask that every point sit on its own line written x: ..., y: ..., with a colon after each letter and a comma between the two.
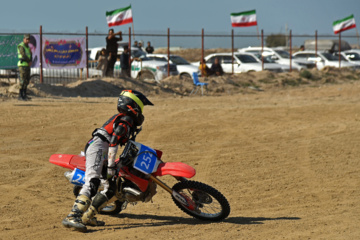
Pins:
x: 119, y: 16
x: 344, y: 24
x: 243, y: 19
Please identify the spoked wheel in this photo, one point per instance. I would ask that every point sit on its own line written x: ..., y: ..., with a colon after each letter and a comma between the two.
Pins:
x: 110, y: 209
x: 147, y: 76
x: 203, y: 201
x: 186, y: 77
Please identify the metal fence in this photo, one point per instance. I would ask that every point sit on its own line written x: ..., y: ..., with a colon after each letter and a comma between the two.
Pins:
x: 175, y: 42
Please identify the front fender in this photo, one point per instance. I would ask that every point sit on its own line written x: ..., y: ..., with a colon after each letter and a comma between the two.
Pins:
x: 176, y: 169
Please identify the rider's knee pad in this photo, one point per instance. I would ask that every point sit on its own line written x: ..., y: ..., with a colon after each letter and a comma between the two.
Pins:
x: 112, y: 189
x: 94, y: 186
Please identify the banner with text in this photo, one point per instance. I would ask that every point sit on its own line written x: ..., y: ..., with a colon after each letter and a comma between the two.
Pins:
x: 64, y: 53
x: 8, y: 51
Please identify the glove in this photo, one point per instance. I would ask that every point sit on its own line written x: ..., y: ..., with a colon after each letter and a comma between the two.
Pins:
x: 111, y: 172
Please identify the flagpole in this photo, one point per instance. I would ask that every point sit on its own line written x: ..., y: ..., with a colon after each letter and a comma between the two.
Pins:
x: 133, y: 30
x: 339, y: 50
x: 133, y: 25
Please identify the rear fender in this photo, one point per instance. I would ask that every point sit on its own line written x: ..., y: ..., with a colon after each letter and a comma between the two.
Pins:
x: 68, y: 161
x: 176, y: 169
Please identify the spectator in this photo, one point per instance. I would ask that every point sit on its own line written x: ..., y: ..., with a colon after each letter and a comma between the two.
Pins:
x: 124, y: 62
x: 140, y: 46
x: 204, y: 69
x: 135, y: 44
x: 112, y: 48
x: 102, y: 61
x: 149, y: 49
x: 216, y: 68
x: 25, y: 58
x: 302, y: 48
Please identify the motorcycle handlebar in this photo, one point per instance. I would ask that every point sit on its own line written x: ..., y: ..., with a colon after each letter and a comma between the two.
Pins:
x: 135, y: 133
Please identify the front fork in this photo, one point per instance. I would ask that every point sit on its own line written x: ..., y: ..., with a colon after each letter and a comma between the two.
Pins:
x: 187, y: 202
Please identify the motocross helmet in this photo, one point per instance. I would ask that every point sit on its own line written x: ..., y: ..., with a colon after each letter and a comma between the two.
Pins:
x: 132, y: 104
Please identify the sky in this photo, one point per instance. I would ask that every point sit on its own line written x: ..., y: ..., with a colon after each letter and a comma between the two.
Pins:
x: 273, y: 16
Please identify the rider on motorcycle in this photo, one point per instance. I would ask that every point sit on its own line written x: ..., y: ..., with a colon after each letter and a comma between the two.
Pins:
x: 102, y: 148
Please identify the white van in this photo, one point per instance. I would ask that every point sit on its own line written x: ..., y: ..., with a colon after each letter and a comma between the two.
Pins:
x: 142, y: 67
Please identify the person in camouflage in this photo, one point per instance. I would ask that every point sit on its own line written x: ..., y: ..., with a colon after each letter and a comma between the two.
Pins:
x: 24, y: 63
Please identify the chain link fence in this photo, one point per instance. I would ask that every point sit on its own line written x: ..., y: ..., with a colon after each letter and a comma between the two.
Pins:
x: 190, y: 45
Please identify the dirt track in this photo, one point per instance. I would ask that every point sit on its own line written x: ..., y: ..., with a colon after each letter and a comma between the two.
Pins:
x: 287, y: 160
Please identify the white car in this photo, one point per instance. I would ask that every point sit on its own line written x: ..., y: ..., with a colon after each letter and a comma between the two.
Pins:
x: 323, y: 59
x: 142, y: 67
x: 185, y: 68
x: 243, y: 62
x: 352, y: 55
x: 268, y: 61
x: 280, y: 56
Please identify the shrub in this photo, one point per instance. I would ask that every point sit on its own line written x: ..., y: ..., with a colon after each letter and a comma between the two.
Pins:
x: 306, y: 74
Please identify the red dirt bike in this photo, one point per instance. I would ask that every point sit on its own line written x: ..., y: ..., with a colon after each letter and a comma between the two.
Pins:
x: 138, y: 169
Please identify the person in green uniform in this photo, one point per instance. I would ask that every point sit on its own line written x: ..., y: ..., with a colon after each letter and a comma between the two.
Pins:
x: 24, y: 64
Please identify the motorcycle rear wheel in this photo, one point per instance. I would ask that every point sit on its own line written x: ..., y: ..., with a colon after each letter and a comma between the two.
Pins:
x: 206, y: 202
x: 111, y: 209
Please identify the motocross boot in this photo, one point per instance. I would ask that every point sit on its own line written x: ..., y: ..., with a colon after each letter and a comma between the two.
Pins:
x: 89, y: 218
x: 73, y: 220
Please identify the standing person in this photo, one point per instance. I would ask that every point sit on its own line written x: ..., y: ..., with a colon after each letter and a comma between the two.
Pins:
x: 149, y: 49
x: 102, y: 61
x: 216, y: 68
x: 111, y: 49
x: 124, y: 62
x: 24, y: 64
x: 100, y: 153
x: 140, y: 45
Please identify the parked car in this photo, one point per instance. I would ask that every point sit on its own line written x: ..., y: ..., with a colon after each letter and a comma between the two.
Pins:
x: 94, y: 53
x: 142, y: 67
x: 323, y: 59
x: 243, y: 62
x: 352, y: 55
x: 268, y: 61
x: 185, y: 68
x: 280, y: 56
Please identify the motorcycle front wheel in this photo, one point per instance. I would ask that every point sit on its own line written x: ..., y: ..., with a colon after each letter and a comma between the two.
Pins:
x: 203, y: 201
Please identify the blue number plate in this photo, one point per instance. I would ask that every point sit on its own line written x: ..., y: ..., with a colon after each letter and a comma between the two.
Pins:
x: 146, y: 160
x: 78, y: 177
